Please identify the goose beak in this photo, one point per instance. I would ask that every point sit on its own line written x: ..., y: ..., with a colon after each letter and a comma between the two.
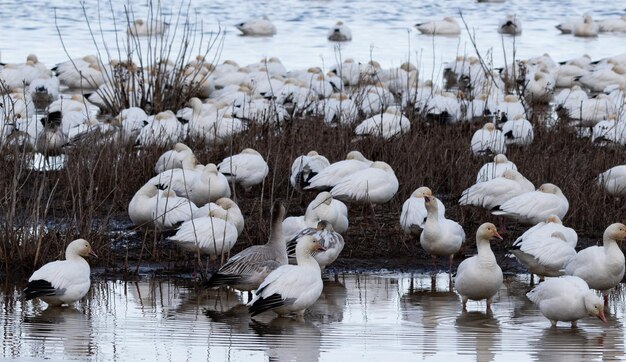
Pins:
x: 602, y: 317
x: 320, y: 248
x: 496, y: 235
x: 92, y: 253
x: 426, y: 199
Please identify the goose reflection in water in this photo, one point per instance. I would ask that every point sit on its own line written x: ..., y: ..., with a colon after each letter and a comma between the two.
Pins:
x: 289, y: 339
x: 480, y: 330
x: 331, y: 304
x: 57, y: 328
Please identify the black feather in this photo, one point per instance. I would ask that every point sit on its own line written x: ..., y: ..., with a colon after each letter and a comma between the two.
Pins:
x: 38, y: 288
x: 263, y: 304
x: 218, y: 279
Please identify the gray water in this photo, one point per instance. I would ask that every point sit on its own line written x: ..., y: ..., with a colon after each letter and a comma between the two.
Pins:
x: 376, y: 317
x: 382, y: 30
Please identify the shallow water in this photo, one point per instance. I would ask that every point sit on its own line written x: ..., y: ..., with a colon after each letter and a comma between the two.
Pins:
x: 381, y: 30
x: 378, y: 317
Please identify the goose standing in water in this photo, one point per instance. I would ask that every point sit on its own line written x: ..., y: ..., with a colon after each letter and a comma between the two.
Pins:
x: 292, y: 288
x: 63, y: 281
x: 480, y: 277
x: 602, y: 267
x: 246, y: 270
x: 441, y: 236
x: 566, y: 299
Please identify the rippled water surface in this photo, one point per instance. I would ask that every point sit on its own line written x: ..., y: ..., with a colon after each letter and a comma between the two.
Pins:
x: 382, y: 30
x: 358, y: 317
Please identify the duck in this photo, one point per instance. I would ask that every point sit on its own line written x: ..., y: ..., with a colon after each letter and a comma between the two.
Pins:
x: 305, y: 167
x: 447, y: 26
x: 413, y: 214
x: 566, y: 299
x: 495, y: 192
x: 152, y: 27
x: 327, y: 178
x: 63, y: 282
x: 174, y: 158
x: 440, y: 236
x: 329, y: 239
x: 386, y: 125
x: 518, y: 131
x: 374, y: 185
x: 602, y: 267
x: 339, y: 32
x: 480, y: 277
x: 511, y: 25
x: 248, y: 168
x: 291, y: 288
x: 258, y: 27
x: 546, y: 228
x: 487, y: 140
x: 535, y: 206
x: 613, y: 180
x: 211, y: 235
x: 543, y: 255
x: 495, y: 169
x: 247, y: 269
x: 586, y: 28
x: 151, y: 207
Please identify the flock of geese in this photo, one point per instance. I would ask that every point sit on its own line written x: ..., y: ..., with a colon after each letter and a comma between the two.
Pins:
x: 192, y: 202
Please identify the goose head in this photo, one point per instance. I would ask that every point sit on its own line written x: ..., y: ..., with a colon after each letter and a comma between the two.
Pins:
x: 615, y: 232
x: 489, y: 127
x: 511, y: 174
x: 355, y: 155
x: 323, y: 225
x: 500, y: 158
x: 594, y: 306
x: 226, y: 203
x: 324, y: 197
x: 312, y: 153
x: 250, y: 151
x: 422, y: 192
x: 211, y: 168
x: 549, y: 188
x: 554, y: 219
x: 308, y: 244
x: 79, y: 247
x: 181, y: 147
x: 487, y: 231
x: 219, y: 213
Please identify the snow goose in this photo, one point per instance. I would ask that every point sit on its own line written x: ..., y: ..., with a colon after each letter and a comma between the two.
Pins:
x: 85, y: 72
x: 480, y: 277
x: 567, y: 26
x: 441, y: 236
x: 546, y: 228
x: 305, y: 167
x: 248, y: 168
x: 375, y: 185
x: 535, y: 206
x: 211, y: 235
x: 329, y: 239
x: 247, y: 269
x: 51, y: 140
x: 512, y: 107
x: 161, y: 130
x: 162, y: 209
x: 544, y: 256
x: 333, y: 174
x: 413, y: 215
x: 599, y: 79
x: 291, y: 288
x: 602, y: 267
x: 62, y: 281
x: 586, y: 28
x: 518, y: 131
x: 511, y: 25
x: 387, y: 125
x: 617, y: 25
x: 325, y: 207
x: 614, y: 180
x: 173, y: 158
x: 153, y: 27
x: 487, y: 140
x: 258, y: 27
x: 495, y: 169
x: 539, y: 86
x: 340, y: 32
x: 231, y: 208
x: 566, y: 299
x: 447, y: 26
x: 495, y: 192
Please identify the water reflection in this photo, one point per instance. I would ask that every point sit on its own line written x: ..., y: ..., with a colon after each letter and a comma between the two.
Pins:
x: 359, y: 316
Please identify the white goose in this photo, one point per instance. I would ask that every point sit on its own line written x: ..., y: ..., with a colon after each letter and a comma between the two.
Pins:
x: 153, y: 27
x: 231, y: 208
x: 546, y: 228
x: 566, y: 299
x: 586, y: 28
x: 62, y: 281
x: 544, y: 256
x: 259, y: 27
x: 161, y: 129
x: 333, y: 174
x: 495, y: 169
x: 173, y: 158
x: 447, y: 26
x: 161, y: 209
x: 291, y: 288
x: 85, y: 72
x: 614, y: 180
x: 413, y: 215
x: 247, y: 168
x: 375, y: 185
x: 487, y: 140
x: 480, y: 277
x: 511, y: 25
x: 496, y: 191
x: 212, y: 235
x: 325, y: 207
x: 248, y: 268
x: 441, y: 236
x: 602, y: 267
x: 617, y: 25
x: 329, y: 239
x: 340, y: 32
x: 387, y: 125
x: 535, y: 206
x: 518, y: 131
x: 305, y: 167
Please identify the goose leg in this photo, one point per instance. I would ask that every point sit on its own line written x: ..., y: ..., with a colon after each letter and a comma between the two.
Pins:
x: 464, y: 303
x: 489, y: 304
x: 606, y: 299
